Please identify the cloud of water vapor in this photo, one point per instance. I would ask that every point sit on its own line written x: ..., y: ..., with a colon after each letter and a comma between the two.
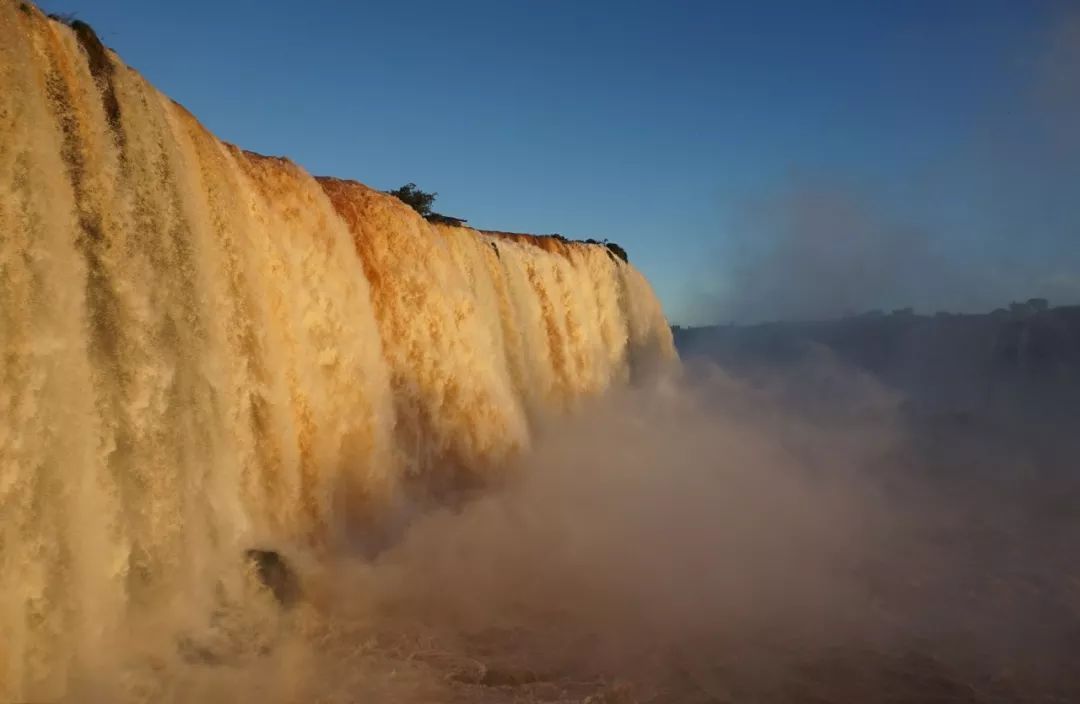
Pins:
x: 990, y: 218
x: 823, y: 250
x: 1057, y: 86
x: 667, y: 526
x: 779, y: 539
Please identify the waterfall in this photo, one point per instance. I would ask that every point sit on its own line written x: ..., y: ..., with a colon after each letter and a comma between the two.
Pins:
x: 204, y: 350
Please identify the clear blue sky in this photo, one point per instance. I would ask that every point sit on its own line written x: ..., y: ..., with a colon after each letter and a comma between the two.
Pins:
x: 678, y: 129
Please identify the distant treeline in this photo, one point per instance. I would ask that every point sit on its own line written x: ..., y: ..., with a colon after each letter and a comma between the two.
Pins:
x: 1026, y: 352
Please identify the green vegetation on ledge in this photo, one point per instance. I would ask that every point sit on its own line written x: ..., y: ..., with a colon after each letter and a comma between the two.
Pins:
x: 421, y: 202
x: 613, y: 248
x: 418, y: 200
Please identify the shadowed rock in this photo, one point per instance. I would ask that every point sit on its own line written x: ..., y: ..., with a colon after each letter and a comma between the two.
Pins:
x: 274, y: 572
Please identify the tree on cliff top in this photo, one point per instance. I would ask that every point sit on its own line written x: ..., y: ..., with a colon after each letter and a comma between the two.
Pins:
x: 415, y: 198
x: 617, y: 250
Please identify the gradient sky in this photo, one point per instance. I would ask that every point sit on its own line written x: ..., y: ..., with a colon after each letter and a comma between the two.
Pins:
x: 702, y: 136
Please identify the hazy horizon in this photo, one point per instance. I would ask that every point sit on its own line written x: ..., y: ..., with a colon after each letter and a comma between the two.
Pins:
x: 878, y: 313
